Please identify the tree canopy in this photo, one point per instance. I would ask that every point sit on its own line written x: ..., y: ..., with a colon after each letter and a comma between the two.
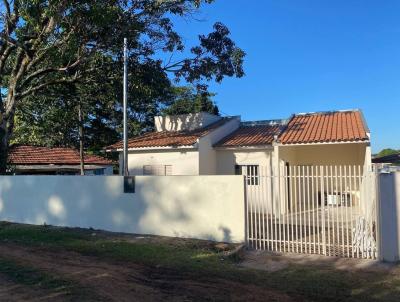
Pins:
x: 57, y: 54
x: 185, y: 100
x: 387, y: 151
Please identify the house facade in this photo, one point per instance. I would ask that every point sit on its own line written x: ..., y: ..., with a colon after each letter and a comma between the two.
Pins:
x: 204, y: 144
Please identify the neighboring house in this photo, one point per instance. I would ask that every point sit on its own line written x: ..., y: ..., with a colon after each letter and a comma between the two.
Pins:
x: 388, y: 159
x: 34, y: 160
x: 388, y: 163
x: 204, y: 144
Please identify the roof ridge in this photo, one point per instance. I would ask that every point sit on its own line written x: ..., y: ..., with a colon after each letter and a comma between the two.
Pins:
x: 327, y: 112
x: 270, y: 122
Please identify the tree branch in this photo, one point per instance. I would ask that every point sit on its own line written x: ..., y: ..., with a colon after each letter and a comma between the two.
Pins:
x: 4, y: 57
x: 45, y: 50
x: 7, y: 6
x: 44, y: 71
x: 46, y: 84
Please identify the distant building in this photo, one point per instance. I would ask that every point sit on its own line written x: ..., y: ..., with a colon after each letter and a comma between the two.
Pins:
x: 34, y: 160
x: 388, y: 159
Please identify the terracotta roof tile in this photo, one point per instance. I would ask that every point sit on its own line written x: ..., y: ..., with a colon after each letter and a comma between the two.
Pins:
x: 169, y: 138
x: 337, y: 126
x: 34, y: 155
x: 250, y: 136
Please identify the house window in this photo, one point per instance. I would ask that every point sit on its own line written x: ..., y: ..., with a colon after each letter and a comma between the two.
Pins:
x: 159, y: 170
x: 251, y: 172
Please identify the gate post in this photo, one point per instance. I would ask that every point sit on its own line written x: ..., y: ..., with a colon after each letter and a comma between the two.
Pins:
x: 246, y: 213
x: 388, y: 206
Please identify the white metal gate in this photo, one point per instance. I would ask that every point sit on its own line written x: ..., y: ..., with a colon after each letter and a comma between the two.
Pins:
x: 328, y: 210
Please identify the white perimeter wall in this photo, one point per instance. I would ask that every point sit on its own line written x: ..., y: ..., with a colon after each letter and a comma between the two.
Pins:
x: 204, y: 207
x: 184, y: 162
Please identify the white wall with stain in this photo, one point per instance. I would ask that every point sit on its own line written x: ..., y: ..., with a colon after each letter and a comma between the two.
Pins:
x: 203, y: 207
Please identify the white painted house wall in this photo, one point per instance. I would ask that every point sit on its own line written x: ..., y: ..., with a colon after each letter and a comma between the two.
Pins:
x: 207, y: 154
x: 185, y: 121
x: 199, y: 160
x: 326, y: 154
x: 203, y: 207
x: 227, y: 159
x: 183, y: 162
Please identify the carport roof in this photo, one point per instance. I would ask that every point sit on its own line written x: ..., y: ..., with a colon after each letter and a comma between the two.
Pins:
x: 325, y: 127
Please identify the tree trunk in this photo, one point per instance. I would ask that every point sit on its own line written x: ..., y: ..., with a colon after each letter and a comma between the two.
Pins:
x: 7, y: 112
x: 81, y: 138
x: 3, y: 147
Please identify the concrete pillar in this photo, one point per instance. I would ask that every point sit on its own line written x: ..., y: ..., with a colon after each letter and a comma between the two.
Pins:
x: 389, y: 216
x: 368, y: 156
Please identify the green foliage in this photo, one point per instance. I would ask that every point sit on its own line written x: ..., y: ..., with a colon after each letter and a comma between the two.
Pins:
x: 186, y: 100
x: 387, y: 151
x: 55, y: 55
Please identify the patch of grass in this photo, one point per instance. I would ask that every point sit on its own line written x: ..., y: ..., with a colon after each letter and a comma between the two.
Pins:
x: 202, y: 261
x: 37, y: 234
x: 32, y: 277
x: 168, y: 255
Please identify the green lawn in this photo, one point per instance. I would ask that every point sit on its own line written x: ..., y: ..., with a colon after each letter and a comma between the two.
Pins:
x: 197, y: 259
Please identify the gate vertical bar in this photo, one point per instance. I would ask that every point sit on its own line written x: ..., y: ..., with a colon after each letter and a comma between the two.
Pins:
x: 295, y: 208
x: 341, y: 208
x: 279, y: 204
x: 291, y: 207
x: 360, y: 188
x: 336, y: 219
x: 284, y: 221
x: 256, y: 183
x: 348, y: 195
x: 322, y: 196
x: 300, y: 208
x: 309, y: 210
x: 263, y: 202
x: 354, y: 202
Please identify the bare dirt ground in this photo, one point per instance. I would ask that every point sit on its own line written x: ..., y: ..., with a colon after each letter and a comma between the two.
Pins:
x: 9, y: 291
x: 273, y: 262
x: 116, y: 281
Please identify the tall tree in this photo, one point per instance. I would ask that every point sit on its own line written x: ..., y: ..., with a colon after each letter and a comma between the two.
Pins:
x: 186, y: 100
x: 46, y: 45
x: 388, y: 151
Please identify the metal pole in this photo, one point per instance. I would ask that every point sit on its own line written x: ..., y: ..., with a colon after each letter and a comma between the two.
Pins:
x: 125, y: 95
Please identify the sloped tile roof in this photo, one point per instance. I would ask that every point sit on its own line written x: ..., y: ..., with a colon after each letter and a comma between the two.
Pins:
x: 250, y: 136
x: 34, y: 155
x: 169, y: 138
x: 338, y: 126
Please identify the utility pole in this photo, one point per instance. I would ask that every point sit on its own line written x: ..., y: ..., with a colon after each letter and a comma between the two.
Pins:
x: 125, y: 106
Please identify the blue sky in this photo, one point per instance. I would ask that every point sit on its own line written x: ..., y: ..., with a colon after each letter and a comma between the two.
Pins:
x: 305, y: 55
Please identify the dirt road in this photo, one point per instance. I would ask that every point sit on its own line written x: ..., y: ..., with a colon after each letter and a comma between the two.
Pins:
x: 108, y: 280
